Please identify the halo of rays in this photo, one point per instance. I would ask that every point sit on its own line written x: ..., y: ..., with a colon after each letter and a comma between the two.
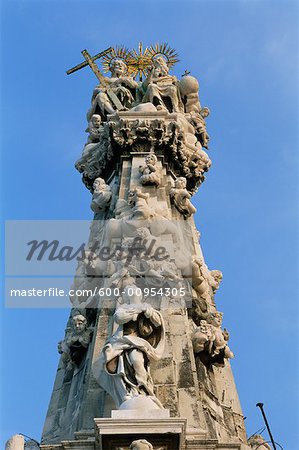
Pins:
x: 119, y: 52
x: 139, y: 60
x: 164, y: 50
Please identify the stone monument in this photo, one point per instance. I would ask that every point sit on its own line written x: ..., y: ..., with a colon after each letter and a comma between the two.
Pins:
x: 145, y: 361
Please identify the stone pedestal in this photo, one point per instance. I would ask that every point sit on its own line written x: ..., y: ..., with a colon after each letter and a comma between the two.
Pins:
x: 167, y: 434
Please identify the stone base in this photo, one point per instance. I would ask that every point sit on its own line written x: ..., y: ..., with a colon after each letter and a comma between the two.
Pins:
x: 162, y: 433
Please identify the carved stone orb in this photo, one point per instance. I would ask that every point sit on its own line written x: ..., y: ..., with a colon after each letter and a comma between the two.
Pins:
x: 188, y: 85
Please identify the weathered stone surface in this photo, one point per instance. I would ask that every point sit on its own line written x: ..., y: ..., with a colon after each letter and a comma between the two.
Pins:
x: 167, y: 394
x: 145, y: 345
x: 163, y: 371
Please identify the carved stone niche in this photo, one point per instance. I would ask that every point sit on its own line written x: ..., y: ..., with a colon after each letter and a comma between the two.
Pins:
x: 162, y: 434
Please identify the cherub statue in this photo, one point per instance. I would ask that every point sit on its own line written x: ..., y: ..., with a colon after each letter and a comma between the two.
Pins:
x: 94, y: 128
x: 161, y: 89
x: 76, y: 341
x: 220, y: 337
x: 150, y: 173
x: 101, y: 195
x: 197, y: 119
x: 119, y: 86
x: 201, y: 336
x: 180, y: 197
x: 211, y: 338
x: 204, y: 281
x: 138, y: 201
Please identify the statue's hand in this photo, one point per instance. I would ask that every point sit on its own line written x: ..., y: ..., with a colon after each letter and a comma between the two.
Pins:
x: 148, y: 311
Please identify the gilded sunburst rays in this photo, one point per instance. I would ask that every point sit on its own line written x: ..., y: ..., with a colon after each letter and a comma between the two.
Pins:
x: 138, y: 61
x: 116, y: 53
x: 166, y: 51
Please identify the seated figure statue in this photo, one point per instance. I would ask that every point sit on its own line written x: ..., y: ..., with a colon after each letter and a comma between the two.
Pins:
x: 160, y: 88
x: 119, y: 86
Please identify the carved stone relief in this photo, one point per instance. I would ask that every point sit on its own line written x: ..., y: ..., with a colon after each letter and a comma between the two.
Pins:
x: 150, y: 173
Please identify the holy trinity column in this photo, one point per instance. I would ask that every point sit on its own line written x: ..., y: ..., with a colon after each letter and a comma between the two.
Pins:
x: 145, y: 359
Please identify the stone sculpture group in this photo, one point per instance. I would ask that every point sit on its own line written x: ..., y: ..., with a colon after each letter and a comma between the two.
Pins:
x: 161, y: 112
x: 144, y: 359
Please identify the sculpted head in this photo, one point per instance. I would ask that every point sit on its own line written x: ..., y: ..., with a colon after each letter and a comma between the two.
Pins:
x: 151, y: 159
x: 160, y: 66
x: 96, y: 120
x: 99, y: 184
x: 180, y: 183
x: 216, y: 318
x: 80, y: 323
x: 118, y: 67
x: 217, y: 275
x: 141, y: 444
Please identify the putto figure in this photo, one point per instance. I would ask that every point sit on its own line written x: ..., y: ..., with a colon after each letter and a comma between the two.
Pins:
x: 101, y: 195
x: 180, y: 197
x: 197, y: 119
x: 94, y: 128
x: 211, y: 340
x: 150, y: 173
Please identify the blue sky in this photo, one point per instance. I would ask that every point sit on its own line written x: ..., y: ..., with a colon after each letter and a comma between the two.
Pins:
x: 245, y: 55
